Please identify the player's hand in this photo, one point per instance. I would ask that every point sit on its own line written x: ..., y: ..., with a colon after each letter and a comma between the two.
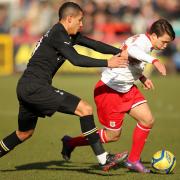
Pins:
x: 124, y: 52
x: 118, y: 61
x: 148, y: 84
x: 160, y: 67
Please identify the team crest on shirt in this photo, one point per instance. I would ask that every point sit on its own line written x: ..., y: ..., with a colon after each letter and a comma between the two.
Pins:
x: 112, y: 123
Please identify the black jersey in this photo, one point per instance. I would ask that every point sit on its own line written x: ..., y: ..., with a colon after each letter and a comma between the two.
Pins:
x: 55, y: 47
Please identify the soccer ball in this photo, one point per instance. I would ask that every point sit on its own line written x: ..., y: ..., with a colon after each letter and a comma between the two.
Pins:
x: 163, y: 161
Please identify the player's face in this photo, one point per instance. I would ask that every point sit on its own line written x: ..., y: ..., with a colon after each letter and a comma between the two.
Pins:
x: 161, y: 42
x: 76, y: 23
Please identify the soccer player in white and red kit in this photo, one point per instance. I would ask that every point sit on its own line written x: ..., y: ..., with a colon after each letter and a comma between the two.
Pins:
x: 116, y: 94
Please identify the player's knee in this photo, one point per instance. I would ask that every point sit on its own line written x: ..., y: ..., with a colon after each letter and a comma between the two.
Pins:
x: 84, y: 109
x: 24, y: 135
x: 149, y: 121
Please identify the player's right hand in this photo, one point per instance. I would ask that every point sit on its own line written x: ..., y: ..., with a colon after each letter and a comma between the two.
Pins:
x: 160, y: 67
x: 118, y: 61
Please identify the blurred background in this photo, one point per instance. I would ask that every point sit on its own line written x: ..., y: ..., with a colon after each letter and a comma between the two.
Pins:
x: 23, y: 22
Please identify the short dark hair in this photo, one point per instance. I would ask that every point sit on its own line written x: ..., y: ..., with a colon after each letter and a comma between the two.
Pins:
x: 69, y: 8
x: 162, y: 26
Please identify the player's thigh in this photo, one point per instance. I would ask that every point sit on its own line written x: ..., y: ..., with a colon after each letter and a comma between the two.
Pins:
x: 27, y: 119
x: 142, y: 113
x: 69, y: 103
x: 110, y: 106
x: 47, y: 100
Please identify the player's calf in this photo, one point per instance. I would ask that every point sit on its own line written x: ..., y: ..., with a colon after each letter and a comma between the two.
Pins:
x: 110, y: 135
x: 9, y: 143
x: 24, y: 135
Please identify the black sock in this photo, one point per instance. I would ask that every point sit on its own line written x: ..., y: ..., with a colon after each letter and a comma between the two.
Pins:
x: 89, y: 130
x: 8, y: 143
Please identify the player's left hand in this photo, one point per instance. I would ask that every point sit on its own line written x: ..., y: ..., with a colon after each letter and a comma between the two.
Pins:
x: 148, y: 84
x: 117, y: 61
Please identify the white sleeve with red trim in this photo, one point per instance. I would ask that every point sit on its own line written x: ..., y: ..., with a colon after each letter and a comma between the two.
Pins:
x: 139, y: 47
x: 122, y: 79
x: 139, y: 54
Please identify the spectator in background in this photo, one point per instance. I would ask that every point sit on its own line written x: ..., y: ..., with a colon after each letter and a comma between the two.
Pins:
x: 39, y: 16
x: 90, y: 11
x: 171, y: 57
x: 176, y: 60
x: 4, y: 23
x: 170, y: 9
x: 29, y: 19
x: 144, y: 18
x: 115, y: 9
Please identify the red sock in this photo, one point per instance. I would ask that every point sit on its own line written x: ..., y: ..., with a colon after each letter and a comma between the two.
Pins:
x: 102, y: 135
x: 82, y: 141
x: 139, y: 138
x: 78, y: 141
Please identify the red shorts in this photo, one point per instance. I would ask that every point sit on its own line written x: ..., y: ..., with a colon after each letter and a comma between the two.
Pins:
x: 112, y: 105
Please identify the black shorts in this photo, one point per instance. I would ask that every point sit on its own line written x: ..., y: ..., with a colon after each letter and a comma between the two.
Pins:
x: 40, y: 100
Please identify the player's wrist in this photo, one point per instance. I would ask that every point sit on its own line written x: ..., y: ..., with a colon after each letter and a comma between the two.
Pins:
x: 142, y: 78
x: 155, y: 60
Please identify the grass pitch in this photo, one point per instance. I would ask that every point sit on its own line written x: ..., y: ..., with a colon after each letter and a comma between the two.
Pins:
x: 39, y: 158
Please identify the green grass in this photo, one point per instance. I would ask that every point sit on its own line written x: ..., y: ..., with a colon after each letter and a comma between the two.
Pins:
x: 39, y: 158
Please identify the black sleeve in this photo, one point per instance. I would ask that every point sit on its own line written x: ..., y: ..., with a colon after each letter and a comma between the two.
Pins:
x: 68, y: 52
x: 97, y: 45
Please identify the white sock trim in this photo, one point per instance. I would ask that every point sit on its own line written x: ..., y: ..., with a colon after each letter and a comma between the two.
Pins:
x: 148, y: 129
x: 102, y: 158
x: 101, y: 135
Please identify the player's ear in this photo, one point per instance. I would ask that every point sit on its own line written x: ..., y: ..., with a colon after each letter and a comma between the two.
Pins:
x: 69, y: 19
x: 154, y: 36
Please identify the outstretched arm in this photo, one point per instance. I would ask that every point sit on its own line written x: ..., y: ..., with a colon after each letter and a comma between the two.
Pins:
x: 97, y: 45
x: 84, y: 61
x: 65, y: 48
x: 160, y: 67
x: 137, y: 53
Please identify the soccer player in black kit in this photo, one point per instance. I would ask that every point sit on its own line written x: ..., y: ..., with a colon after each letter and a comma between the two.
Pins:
x: 38, y: 98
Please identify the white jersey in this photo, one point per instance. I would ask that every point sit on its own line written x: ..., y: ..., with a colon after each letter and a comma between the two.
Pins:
x: 122, y: 79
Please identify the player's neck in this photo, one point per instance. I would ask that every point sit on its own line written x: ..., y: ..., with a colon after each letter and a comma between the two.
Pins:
x: 150, y: 38
x: 65, y: 25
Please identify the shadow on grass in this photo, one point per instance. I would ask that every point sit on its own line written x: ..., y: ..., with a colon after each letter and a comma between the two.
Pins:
x: 63, y: 166
x: 70, y: 167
